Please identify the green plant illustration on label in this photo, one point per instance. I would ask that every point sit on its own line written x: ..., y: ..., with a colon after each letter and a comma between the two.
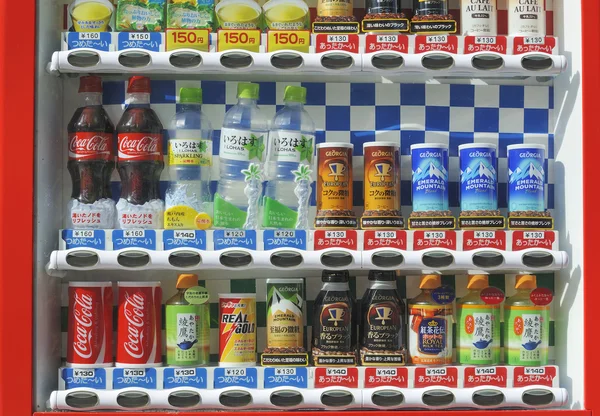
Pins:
x: 190, y: 14
x: 141, y: 15
x: 527, y: 331
x: 302, y: 190
x: 479, y: 334
x: 306, y: 149
x: 255, y: 148
x: 278, y: 215
x: 228, y: 215
x: 183, y: 325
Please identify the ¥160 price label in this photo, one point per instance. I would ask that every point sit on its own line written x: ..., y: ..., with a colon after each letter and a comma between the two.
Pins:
x: 188, y: 39
x: 248, y: 40
x: 295, y: 40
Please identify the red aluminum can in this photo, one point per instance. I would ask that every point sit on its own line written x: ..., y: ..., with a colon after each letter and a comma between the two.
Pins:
x: 139, y: 325
x: 90, y: 333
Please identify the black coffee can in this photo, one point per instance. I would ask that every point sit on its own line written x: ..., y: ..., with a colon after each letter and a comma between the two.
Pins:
x: 430, y: 7
x: 381, y: 6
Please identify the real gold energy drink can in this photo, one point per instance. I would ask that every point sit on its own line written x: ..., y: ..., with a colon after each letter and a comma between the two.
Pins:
x: 334, y: 186
x: 237, y: 330
x: 382, y: 186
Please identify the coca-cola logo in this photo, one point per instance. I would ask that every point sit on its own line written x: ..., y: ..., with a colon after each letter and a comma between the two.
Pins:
x: 133, y: 145
x: 134, y: 314
x: 83, y: 315
x: 95, y: 144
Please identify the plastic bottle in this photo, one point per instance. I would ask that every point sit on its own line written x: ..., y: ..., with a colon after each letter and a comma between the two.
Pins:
x: 140, y: 160
x: 526, y: 326
x: 241, y: 158
x: 290, y: 157
x: 91, y: 160
x: 187, y: 326
x: 188, y: 200
x: 478, y: 325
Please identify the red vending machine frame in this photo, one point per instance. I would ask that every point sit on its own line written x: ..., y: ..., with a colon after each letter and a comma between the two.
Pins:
x: 17, y: 239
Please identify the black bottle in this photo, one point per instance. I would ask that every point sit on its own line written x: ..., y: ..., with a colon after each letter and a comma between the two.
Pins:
x: 430, y: 7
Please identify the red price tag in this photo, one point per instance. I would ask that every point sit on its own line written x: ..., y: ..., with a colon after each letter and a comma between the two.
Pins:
x: 436, y: 376
x: 484, y: 239
x: 343, y: 377
x: 485, y: 376
x: 522, y: 240
x: 336, y: 239
x: 492, y: 296
x: 377, y: 43
x: 381, y: 377
x: 525, y: 44
x: 534, y: 376
x: 436, y: 43
x: 475, y: 44
x: 346, y: 43
x: 541, y: 296
x: 434, y: 239
x: 381, y: 239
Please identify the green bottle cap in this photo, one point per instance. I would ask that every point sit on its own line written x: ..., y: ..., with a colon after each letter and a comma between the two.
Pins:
x: 295, y: 94
x: 248, y: 90
x: 190, y: 95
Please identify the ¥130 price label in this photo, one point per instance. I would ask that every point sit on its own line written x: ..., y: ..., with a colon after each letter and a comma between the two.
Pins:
x: 295, y: 40
x: 188, y: 39
x: 248, y: 40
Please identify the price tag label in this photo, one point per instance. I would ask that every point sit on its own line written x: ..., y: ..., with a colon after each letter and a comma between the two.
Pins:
x: 327, y: 377
x: 433, y: 43
x: 485, y: 44
x: 381, y: 377
x: 84, y: 238
x: 284, y: 238
x: 434, y: 239
x: 522, y: 240
x: 336, y: 239
x: 437, y: 39
x: 335, y: 234
x: 295, y: 40
x: 485, y: 376
x: 343, y: 42
x: 524, y: 44
x: 485, y: 40
x: 473, y: 240
x: 337, y: 38
x: 380, y: 239
x: 532, y: 235
x: 185, y: 377
x: 485, y: 234
x: 533, y: 40
x: 534, y: 376
x: 188, y: 39
x: 134, y: 377
x: 184, y: 238
x: 248, y: 40
x: 134, y: 238
x: 228, y: 238
x: 283, y: 377
x: 150, y: 41
x: 387, y: 38
x: 432, y: 235
x: 376, y: 43
x: 93, y: 40
x: 438, y: 376
x: 244, y: 377
x: 94, y: 378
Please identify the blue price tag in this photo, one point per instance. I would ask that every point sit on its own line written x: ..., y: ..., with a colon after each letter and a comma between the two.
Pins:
x: 134, y: 238
x: 443, y: 295
x: 185, y: 377
x: 150, y: 41
x: 93, y: 40
x: 84, y: 238
x: 285, y: 238
x: 235, y: 239
x: 242, y: 377
x: 94, y: 378
x: 134, y: 377
x: 180, y: 238
x: 286, y: 376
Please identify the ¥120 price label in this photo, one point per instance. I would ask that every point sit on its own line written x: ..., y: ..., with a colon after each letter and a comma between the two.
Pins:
x: 188, y: 39
x: 295, y: 40
x: 248, y: 40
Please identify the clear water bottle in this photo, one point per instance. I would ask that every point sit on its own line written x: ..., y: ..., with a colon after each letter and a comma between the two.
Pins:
x: 241, y: 159
x: 188, y: 198
x: 290, y: 156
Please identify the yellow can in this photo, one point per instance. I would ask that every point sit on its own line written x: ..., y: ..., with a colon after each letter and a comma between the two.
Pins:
x: 237, y: 330
x: 334, y: 8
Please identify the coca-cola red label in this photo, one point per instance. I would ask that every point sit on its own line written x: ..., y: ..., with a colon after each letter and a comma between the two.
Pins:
x: 140, y: 146
x: 89, y: 336
x: 90, y: 146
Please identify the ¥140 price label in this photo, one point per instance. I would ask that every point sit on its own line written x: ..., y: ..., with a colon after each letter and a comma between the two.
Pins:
x: 248, y: 40
x: 188, y: 39
x: 295, y: 40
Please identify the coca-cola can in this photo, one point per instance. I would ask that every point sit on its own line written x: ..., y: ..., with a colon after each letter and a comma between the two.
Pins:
x: 139, y: 325
x: 90, y: 332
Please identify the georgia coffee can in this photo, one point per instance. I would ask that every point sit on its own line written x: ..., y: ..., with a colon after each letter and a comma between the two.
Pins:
x: 237, y: 330
x: 526, y: 177
x: 478, y: 189
x: 429, y: 177
x: 90, y: 332
x: 139, y: 342
x: 382, y: 178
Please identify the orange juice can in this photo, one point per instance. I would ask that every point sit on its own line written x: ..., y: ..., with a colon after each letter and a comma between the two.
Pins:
x: 237, y: 330
x: 334, y: 186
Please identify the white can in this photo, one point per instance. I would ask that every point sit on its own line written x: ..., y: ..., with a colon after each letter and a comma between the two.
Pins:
x: 478, y: 18
x: 526, y: 17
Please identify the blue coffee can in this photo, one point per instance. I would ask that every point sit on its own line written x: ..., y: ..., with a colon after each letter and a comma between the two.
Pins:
x: 526, y: 177
x: 429, y: 177
x: 478, y: 189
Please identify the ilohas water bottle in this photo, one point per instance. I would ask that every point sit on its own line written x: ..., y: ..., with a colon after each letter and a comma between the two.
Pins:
x: 290, y: 156
x: 188, y: 200
x: 241, y: 158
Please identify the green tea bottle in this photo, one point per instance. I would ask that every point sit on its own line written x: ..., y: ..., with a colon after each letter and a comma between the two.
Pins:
x: 478, y: 325
x: 526, y: 326
x: 187, y: 326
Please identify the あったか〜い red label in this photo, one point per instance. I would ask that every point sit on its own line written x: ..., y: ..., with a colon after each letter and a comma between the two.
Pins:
x: 434, y: 239
x: 525, y: 44
x: 381, y: 377
x: 436, y: 376
x: 379, y: 239
x: 485, y: 376
x: 140, y: 147
x: 343, y: 377
x: 386, y: 42
x: 90, y: 146
x: 522, y: 240
x: 345, y: 42
x: 336, y: 239
x: 484, y: 239
x: 475, y: 44
x: 534, y: 376
x: 437, y: 43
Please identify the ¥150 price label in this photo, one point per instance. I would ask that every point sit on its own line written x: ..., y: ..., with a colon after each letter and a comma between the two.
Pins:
x: 248, y: 40
x: 188, y: 39
x: 295, y: 40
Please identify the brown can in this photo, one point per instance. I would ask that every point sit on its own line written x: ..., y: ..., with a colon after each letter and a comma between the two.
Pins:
x: 334, y: 186
x: 382, y: 177
x: 334, y: 8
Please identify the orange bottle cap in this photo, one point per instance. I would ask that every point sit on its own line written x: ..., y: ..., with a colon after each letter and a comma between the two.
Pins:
x: 477, y: 281
x: 430, y: 281
x: 525, y: 281
x: 185, y: 281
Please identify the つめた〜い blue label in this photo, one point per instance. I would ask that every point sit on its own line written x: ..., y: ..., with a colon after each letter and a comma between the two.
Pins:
x: 526, y: 177
x: 478, y: 177
x: 429, y: 177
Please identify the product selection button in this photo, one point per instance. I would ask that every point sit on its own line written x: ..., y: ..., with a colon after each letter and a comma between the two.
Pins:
x: 94, y: 378
x: 485, y: 376
x: 286, y: 377
x: 134, y: 377
x: 343, y: 377
x: 184, y: 238
x: 436, y: 376
x: 294, y: 40
x: 248, y: 40
x: 185, y: 377
x: 84, y: 238
x: 134, y: 238
x: 382, y: 377
x: 242, y: 377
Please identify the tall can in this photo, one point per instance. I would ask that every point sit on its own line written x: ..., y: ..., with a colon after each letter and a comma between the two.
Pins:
x: 430, y: 7
x: 381, y: 6
x: 285, y: 316
x: 139, y: 340
x: 478, y: 17
x: 90, y: 333
x: 429, y: 177
x: 526, y: 17
x: 237, y: 330
x: 334, y: 186
x: 478, y: 189
x: 526, y: 178
x: 334, y: 8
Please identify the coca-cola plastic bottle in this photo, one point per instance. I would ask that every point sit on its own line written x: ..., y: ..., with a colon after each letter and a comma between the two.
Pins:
x: 140, y: 160
x: 91, y: 160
